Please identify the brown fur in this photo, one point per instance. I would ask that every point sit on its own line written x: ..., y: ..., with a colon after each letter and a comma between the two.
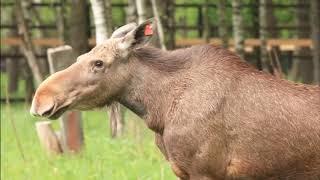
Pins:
x: 220, y: 118
x: 215, y: 116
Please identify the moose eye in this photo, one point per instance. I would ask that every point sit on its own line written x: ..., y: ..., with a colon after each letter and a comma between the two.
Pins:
x: 98, y: 63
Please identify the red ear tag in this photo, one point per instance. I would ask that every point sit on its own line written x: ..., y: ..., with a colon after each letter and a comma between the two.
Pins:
x: 148, y: 30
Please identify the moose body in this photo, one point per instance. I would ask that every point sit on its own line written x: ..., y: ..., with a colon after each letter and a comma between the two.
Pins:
x: 214, y: 116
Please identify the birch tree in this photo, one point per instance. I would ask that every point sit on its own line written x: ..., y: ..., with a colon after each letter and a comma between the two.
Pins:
x: 159, y: 24
x: 102, y: 19
x: 302, y: 68
x: 263, y: 34
x: 169, y: 14
x: 223, y: 29
x: 131, y: 12
x: 27, y: 45
x: 238, y: 32
x: 315, y: 36
x: 141, y: 10
x: 99, y: 16
x: 206, y: 22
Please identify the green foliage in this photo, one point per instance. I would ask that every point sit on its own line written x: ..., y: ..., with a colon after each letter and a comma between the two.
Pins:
x: 134, y: 156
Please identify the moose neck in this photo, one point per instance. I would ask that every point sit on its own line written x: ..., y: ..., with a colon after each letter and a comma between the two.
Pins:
x: 148, y: 93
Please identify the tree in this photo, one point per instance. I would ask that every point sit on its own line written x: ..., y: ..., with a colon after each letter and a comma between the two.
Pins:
x: 108, y: 16
x: 103, y: 22
x: 141, y: 10
x: 263, y: 35
x: 223, y: 28
x: 302, y: 67
x: 169, y: 22
x: 131, y: 11
x: 238, y: 31
x: 99, y: 16
x: 12, y: 64
x: 33, y: 15
x: 315, y: 36
x: 27, y: 45
x: 206, y: 22
x: 159, y: 24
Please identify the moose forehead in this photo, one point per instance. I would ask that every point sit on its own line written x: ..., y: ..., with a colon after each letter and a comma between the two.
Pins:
x: 105, y: 51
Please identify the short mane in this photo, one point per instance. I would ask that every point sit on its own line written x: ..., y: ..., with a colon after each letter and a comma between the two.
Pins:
x: 167, y: 61
x: 171, y: 61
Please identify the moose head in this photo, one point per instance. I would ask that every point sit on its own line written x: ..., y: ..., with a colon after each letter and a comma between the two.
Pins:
x: 97, y: 77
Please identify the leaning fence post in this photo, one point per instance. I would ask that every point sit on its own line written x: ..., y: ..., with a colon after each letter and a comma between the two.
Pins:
x: 48, y: 138
x: 71, y: 124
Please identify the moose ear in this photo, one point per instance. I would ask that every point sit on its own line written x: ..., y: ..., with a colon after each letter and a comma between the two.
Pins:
x: 123, y: 30
x: 139, y: 36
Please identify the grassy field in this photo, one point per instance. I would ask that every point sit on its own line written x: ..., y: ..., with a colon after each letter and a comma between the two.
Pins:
x: 133, y: 156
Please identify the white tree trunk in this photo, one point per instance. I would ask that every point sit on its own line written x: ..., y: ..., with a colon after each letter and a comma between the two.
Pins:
x: 223, y: 29
x: 131, y: 11
x: 159, y: 24
x: 238, y: 32
x: 102, y: 34
x: 141, y: 10
x: 263, y: 34
x: 98, y: 10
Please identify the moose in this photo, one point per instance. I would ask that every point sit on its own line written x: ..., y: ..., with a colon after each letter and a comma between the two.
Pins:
x: 214, y: 116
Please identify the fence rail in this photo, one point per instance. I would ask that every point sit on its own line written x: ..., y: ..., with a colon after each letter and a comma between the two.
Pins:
x: 285, y: 44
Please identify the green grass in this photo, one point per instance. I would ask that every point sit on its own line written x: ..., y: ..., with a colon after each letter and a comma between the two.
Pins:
x: 133, y: 156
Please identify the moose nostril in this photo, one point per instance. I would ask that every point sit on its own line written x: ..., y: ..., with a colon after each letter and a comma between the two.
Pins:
x: 48, y: 111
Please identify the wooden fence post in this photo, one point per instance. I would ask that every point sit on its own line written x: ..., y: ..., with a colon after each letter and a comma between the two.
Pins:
x: 48, y: 138
x: 71, y: 124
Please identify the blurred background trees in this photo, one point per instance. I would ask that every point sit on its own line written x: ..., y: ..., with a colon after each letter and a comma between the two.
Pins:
x: 263, y: 32
x: 278, y: 36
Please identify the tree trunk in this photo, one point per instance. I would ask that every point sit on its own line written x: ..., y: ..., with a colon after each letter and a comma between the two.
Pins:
x: 60, y: 14
x: 169, y: 13
x: 159, y: 24
x: 109, y: 17
x: 99, y: 14
x: 79, y: 26
x: 29, y: 87
x: 27, y: 46
x: 101, y: 20
x: 315, y: 35
x: 238, y: 31
x: 255, y: 32
x: 12, y: 69
x: 141, y: 10
x: 302, y: 66
x: 206, y: 22
x: 223, y: 28
x: 131, y: 12
x: 38, y: 33
x: 271, y: 20
x: 12, y: 64
x: 264, y: 35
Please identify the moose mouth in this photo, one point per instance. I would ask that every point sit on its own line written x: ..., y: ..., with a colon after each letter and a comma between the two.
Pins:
x: 50, y: 114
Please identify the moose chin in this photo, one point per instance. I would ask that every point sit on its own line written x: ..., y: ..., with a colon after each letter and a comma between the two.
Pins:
x: 214, y: 116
